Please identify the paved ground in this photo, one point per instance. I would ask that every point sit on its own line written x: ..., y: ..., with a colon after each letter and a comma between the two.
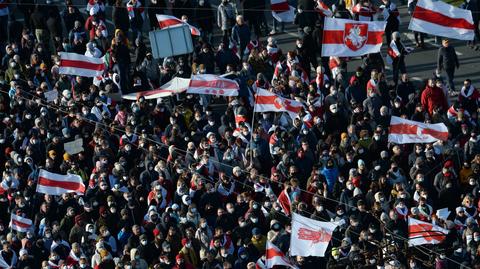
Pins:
x: 420, y: 64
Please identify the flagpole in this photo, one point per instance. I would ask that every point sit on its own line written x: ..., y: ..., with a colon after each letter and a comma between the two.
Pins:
x: 253, y: 122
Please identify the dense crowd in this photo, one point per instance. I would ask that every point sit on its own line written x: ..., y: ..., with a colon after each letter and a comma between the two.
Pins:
x: 192, y: 181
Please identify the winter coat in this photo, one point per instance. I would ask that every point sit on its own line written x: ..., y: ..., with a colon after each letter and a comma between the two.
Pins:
x: 225, y: 16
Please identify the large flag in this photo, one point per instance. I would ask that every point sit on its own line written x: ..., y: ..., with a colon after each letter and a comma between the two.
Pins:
x: 281, y: 11
x: 274, y: 256
x: 213, y: 85
x: 266, y: 101
x: 165, y: 21
x: 310, y: 237
x: 404, y: 131
x: 421, y: 233
x: 20, y: 224
x: 80, y: 65
x: 174, y: 86
x: 348, y: 38
x: 57, y: 184
x: 441, y: 19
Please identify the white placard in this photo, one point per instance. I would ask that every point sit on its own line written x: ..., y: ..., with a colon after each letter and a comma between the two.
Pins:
x: 74, y: 147
x: 51, y: 95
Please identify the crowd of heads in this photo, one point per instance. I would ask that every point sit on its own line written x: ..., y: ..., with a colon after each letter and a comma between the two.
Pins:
x: 191, y: 181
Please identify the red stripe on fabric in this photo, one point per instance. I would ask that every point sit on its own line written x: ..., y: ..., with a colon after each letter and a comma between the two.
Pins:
x: 437, y: 134
x: 441, y: 19
x: 220, y: 84
x: 280, y: 7
x: 169, y: 22
x: 20, y: 224
x: 82, y: 64
x: 265, y: 100
x: 337, y: 37
x: 68, y: 185
x: 271, y: 253
x: 403, y: 129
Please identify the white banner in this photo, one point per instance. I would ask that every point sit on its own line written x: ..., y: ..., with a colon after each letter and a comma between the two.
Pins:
x: 310, y: 237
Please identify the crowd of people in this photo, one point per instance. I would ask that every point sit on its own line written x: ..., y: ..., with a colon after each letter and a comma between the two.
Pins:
x: 192, y: 181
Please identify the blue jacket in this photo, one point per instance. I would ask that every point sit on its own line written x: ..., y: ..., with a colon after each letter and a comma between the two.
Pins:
x: 331, y: 175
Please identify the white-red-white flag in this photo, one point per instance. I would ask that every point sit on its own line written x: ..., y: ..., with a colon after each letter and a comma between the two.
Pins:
x: 274, y: 256
x: 80, y: 65
x: 165, y: 21
x: 441, y: 19
x: 310, y: 237
x: 285, y: 203
x: 348, y: 38
x: 393, y: 52
x: 213, y: 85
x: 175, y: 86
x: 20, y: 224
x: 57, y: 184
x: 422, y: 233
x: 323, y: 9
x: 281, y: 11
x: 266, y: 101
x: 404, y: 131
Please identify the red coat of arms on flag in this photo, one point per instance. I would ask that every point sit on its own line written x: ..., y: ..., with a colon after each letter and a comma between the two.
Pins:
x: 355, y: 35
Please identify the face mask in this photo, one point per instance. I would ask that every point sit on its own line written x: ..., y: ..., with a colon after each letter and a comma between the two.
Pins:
x: 350, y: 186
x: 144, y: 242
x: 211, y: 123
x: 48, y: 235
x: 188, y: 245
x: 254, y: 220
x: 340, y: 213
x: 17, y: 76
x: 230, y: 210
x: 319, y: 208
x: 203, y: 225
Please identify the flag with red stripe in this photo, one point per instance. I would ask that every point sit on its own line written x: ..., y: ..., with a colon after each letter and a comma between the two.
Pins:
x: 20, y: 224
x: 348, y: 38
x: 80, y: 65
x: 441, y: 19
x: 310, y: 237
x: 266, y: 101
x: 323, y: 9
x: 284, y: 202
x: 57, y: 184
x: 213, y: 85
x: 274, y: 256
x: 404, y: 131
x: 281, y: 11
x: 175, y: 86
x: 165, y: 21
x: 421, y: 233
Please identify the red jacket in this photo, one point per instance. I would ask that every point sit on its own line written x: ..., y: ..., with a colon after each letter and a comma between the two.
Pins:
x: 433, y: 97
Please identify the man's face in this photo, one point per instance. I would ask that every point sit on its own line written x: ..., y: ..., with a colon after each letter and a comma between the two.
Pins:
x: 445, y: 43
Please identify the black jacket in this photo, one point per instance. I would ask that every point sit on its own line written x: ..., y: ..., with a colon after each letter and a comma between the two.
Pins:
x: 447, y: 58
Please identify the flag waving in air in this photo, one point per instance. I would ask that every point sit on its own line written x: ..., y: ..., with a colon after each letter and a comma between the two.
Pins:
x: 268, y: 101
x: 20, y: 224
x: 171, y: 21
x: 274, y: 256
x: 310, y: 237
x: 404, y: 131
x: 348, y: 38
x: 281, y: 11
x: 441, y: 19
x: 421, y: 233
x: 80, y: 65
x: 57, y: 184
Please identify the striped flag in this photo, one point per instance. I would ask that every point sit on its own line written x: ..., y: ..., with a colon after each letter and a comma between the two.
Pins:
x: 323, y: 9
x: 80, y: 65
x: 20, y: 224
x: 310, y: 237
x: 213, y: 85
x: 281, y: 11
x: 404, y: 131
x: 422, y: 233
x: 266, y: 101
x: 441, y: 19
x: 348, y: 38
x: 274, y: 256
x: 165, y: 21
x: 284, y: 202
x: 57, y: 184
x: 174, y: 86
